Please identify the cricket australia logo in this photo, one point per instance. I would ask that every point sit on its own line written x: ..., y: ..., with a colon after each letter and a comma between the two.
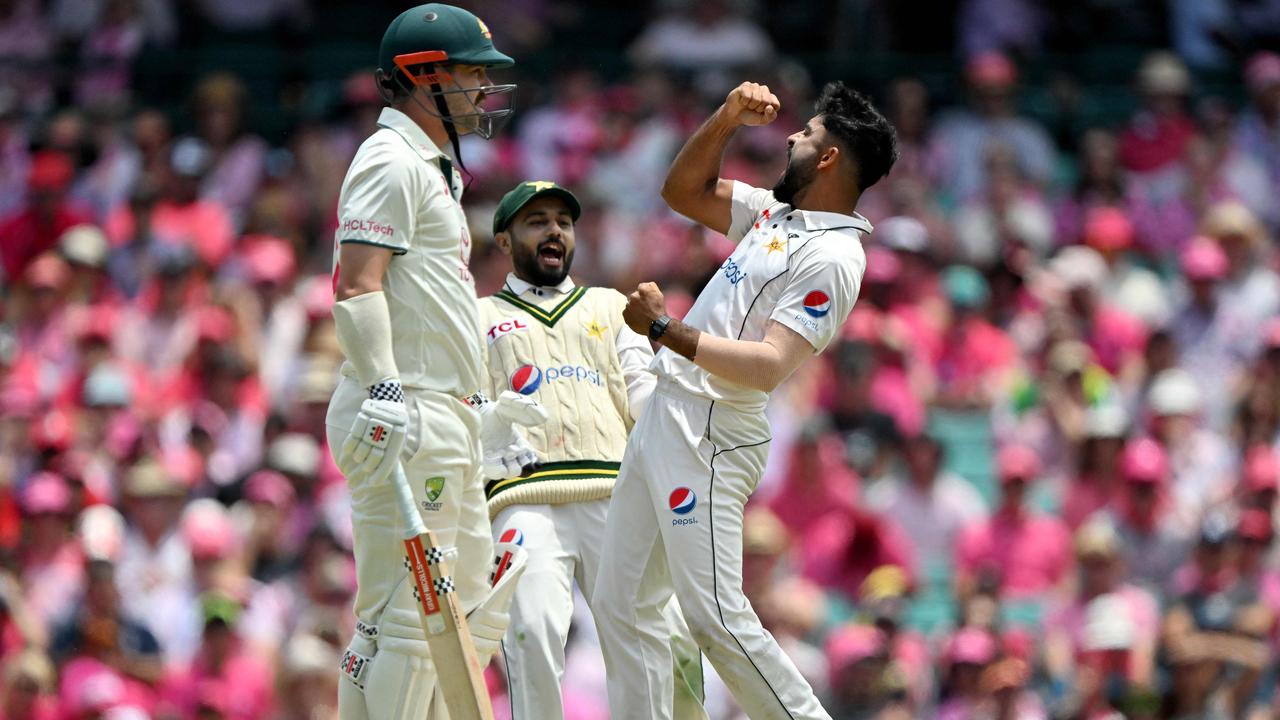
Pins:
x: 432, y: 488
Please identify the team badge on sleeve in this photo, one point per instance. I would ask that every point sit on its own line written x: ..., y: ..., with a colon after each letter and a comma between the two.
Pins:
x: 817, y: 304
x: 526, y: 379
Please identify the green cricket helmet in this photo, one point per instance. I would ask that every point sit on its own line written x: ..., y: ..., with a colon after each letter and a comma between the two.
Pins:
x: 422, y: 43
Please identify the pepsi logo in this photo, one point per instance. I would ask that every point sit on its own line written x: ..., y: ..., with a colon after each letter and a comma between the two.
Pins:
x: 817, y: 304
x: 512, y: 535
x: 526, y: 379
x: 682, y: 501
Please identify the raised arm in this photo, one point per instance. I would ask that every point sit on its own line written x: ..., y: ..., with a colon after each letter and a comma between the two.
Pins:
x: 693, y: 186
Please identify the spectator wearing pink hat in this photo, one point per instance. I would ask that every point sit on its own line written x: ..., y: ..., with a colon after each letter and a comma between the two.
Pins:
x: 1258, y: 577
x: 269, y: 266
x: 1214, y: 340
x: 52, y: 565
x: 1258, y: 127
x: 967, y: 654
x: 269, y: 552
x: 962, y: 139
x: 1154, y: 542
x: 863, y: 680
x: 1025, y: 553
x: 1106, y: 632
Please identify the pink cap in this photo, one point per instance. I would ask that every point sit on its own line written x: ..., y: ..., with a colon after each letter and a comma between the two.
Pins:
x: 207, y: 529
x: 45, y: 493
x: 1256, y: 524
x: 883, y: 265
x: 1262, y: 71
x: 52, y: 431
x: 971, y: 645
x: 271, y: 487
x: 317, y: 296
x: 1261, y: 469
x: 1017, y: 462
x: 852, y: 643
x: 1144, y: 461
x: 268, y: 259
x: 1108, y: 228
x: 991, y: 68
x: 47, y: 271
x: 1203, y: 259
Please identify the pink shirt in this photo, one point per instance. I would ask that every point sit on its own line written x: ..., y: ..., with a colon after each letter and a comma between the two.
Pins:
x: 1031, y: 551
x: 203, y: 225
x: 245, y: 686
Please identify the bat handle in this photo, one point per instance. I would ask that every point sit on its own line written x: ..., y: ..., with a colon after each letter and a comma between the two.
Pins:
x: 413, y: 526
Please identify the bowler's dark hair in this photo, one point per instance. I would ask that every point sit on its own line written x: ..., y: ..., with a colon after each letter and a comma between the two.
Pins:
x: 861, y: 130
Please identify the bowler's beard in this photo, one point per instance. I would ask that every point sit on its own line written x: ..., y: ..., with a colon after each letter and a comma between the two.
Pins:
x: 795, y: 180
x: 530, y: 268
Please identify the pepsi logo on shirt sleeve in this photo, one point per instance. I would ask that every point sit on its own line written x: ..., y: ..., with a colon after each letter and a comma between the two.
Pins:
x: 817, y: 304
x: 526, y: 379
x: 512, y: 535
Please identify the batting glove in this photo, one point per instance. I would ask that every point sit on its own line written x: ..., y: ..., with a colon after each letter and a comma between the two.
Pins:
x: 372, y: 448
x: 506, y: 451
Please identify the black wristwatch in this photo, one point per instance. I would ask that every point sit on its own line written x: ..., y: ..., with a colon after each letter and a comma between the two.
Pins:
x: 658, y: 327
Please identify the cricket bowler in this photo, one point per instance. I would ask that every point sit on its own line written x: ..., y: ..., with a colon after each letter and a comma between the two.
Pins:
x: 568, y: 346
x: 408, y: 325
x: 697, y: 453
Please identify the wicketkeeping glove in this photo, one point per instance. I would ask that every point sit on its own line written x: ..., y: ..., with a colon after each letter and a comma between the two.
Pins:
x: 506, y: 450
x: 372, y: 449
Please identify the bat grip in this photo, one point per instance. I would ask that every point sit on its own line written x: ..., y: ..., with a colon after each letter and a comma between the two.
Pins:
x: 413, y: 526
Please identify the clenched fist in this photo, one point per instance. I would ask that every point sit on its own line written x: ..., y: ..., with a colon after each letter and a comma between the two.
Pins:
x: 751, y: 104
x: 644, y: 306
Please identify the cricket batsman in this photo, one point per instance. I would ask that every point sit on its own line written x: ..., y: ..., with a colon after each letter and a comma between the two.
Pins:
x: 408, y: 325
x: 697, y: 453
x: 568, y: 346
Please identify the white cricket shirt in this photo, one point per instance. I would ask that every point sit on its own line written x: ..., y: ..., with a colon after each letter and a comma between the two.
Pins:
x: 395, y: 195
x: 798, y: 267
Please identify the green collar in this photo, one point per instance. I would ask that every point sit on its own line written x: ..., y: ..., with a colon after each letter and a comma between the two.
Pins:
x: 546, y: 317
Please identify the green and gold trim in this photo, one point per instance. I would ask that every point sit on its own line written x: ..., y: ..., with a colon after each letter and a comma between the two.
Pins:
x: 568, y: 470
x: 546, y: 317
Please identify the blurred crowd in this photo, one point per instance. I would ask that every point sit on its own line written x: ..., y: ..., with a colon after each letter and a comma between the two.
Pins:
x: 1036, y: 476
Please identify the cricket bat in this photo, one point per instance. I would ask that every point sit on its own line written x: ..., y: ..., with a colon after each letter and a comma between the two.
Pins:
x: 458, y: 671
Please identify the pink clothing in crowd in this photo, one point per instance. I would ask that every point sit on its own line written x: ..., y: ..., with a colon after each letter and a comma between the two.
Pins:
x: 1030, y: 551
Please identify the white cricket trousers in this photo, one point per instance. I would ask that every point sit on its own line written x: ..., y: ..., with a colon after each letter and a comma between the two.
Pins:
x: 675, y: 524
x: 563, y: 545
x: 441, y: 459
